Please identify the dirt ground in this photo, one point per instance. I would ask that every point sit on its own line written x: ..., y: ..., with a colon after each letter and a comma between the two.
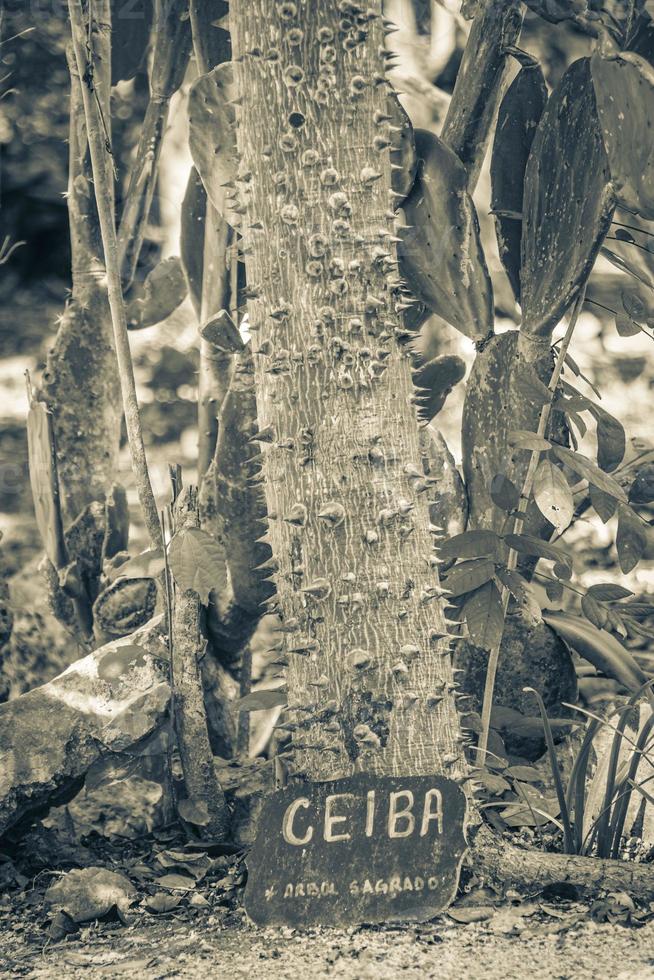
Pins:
x: 208, y: 947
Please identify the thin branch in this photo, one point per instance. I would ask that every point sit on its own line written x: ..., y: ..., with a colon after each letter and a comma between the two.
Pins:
x: 102, y: 181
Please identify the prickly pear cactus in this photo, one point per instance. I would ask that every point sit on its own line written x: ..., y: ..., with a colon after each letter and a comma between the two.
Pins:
x: 369, y: 678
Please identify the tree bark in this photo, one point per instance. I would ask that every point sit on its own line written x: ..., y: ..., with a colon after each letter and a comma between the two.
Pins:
x: 190, y: 716
x: 370, y: 678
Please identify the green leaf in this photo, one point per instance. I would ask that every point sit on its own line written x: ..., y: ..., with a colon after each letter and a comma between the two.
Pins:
x: 441, y: 255
x: 197, y: 562
x: 567, y: 189
x: 469, y: 544
x: 600, y: 648
x: 588, y: 471
x: 263, y: 700
x: 552, y: 495
x: 467, y: 576
x: 624, y: 87
x: 521, y: 439
x: 630, y: 540
x: 504, y: 493
x: 528, y: 545
x: 608, y: 592
x: 519, y: 114
x: 484, y: 616
x: 603, y: 503
x: 594, y: 613
x: 633, y: 305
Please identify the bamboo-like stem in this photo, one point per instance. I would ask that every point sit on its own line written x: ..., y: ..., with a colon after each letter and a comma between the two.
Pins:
x: 102, y: 181
x: 525, y: 495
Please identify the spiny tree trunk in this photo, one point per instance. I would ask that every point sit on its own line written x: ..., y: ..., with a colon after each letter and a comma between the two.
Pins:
x: 369, y: 675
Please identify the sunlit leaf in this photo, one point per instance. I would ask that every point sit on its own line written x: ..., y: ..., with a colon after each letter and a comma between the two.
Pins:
x: 608, y: 592
x: 552, y: 495
x: 197, y: 562
x: 521, y: 439
x: 624, y: 86
x: 600, y: 648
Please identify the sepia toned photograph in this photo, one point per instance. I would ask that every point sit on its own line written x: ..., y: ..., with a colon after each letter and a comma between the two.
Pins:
x: 327, y: 489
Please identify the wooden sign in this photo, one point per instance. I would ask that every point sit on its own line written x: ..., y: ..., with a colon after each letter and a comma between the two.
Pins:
x: 363, y: 849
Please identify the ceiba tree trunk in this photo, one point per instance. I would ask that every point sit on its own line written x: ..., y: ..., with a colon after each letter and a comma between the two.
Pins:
x: 369, y: 671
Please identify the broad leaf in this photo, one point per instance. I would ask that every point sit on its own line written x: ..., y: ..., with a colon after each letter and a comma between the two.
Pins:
x: 435, y: 381
x: 624, y: 87
x: 630, y: 540
x: 504, y: 493
x: 518, y: 117
x: 552, y: 495
x: 568, y: 202
x: 642, y: 489
x: 521, y: 439
x: 626, y: 327
x: 148, y: 564
x: 600, y: 648
x: 212, y: 138
x: 588, y: 471
x: 468, y: 576
x: 191, y: 242
x: 611, y: 440
x: 440, y: 254
x: 197, y: 562
x: 163, y: 291
x: 484, y: 616
x: 593, y: 611
x: 603, y: 503
x: 528, y: 545
x: 521, y: 591
x: 262, y: 700
x: 470, y: 544
x: 608, y: 592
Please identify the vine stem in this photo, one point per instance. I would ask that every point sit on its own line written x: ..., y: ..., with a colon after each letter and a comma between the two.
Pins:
x: 525, y: 495
x: 102, y: 182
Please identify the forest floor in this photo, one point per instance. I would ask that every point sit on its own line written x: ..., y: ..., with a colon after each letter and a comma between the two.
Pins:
x: 540, y: 947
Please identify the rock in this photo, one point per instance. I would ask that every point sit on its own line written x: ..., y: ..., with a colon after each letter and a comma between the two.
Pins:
x: 90, y: 893
x: 531, y: 655
x: 50, y: 736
